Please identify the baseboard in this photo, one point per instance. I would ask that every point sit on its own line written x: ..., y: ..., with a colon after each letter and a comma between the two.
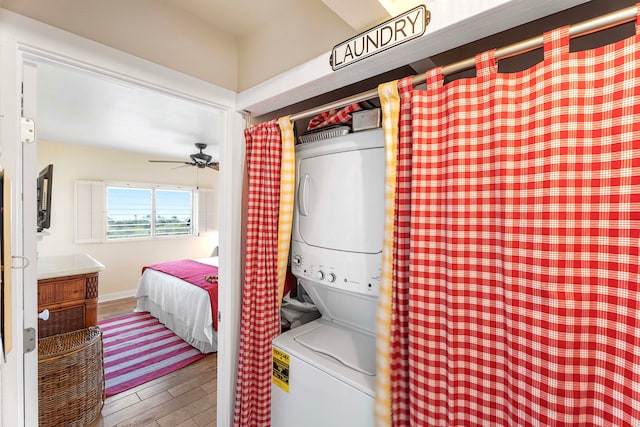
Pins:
x: 116, y: 295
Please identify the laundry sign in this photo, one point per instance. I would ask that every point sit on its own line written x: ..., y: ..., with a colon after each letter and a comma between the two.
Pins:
x: 402, y: 28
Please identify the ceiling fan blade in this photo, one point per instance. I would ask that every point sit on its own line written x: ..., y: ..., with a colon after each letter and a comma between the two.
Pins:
x: 170, y: 161
x: 215, y: 166
x: 183, y: 166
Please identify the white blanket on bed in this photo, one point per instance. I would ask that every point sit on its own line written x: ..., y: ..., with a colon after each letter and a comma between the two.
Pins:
x: 181, y: 306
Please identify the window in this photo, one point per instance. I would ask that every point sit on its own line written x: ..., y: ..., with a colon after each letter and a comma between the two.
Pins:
x: 173, y: 212
x: 144, y: 212
x: 128, y: 212
x: 117, y: 211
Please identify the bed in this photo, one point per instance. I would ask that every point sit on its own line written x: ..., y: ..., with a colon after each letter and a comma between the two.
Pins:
x: 184, y: 308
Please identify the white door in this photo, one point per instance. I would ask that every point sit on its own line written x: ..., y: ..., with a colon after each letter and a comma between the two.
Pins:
x: 28, y: 264
x: 19, y: 404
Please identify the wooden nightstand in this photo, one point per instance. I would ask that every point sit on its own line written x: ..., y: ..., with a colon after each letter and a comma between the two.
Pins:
x: 68, y: 288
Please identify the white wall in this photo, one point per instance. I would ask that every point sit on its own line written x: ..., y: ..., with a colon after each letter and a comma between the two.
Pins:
x: 280, y: 46
x: 123, y: 260
x: 149, y: 29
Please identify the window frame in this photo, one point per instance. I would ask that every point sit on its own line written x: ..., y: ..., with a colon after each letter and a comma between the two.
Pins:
x: 91, y: 211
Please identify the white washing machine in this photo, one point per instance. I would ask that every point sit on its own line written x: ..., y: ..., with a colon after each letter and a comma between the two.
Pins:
x: 324, y: 371
x: 331, y: 377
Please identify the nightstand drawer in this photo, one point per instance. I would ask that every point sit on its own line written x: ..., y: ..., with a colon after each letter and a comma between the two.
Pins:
x: 61, y: 321
x: 57, y: 291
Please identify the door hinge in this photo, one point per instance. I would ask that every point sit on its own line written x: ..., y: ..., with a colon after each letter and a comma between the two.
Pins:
x: 219, y: 316
x: 29, y: 340
x: 28, y: 130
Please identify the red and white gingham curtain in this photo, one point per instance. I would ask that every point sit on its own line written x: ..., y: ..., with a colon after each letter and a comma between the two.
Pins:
x: 260, y: 322
x: 518, y: 211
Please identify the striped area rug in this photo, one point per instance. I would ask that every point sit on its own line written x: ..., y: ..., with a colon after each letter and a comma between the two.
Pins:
x: 138, y: 349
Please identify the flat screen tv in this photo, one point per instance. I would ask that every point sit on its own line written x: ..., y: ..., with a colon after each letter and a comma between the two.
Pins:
x: 45, y: 184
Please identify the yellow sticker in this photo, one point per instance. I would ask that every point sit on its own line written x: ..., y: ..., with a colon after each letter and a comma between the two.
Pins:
x: 280, y: 375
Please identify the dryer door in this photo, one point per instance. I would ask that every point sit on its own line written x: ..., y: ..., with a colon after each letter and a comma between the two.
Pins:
x: 340, y: 203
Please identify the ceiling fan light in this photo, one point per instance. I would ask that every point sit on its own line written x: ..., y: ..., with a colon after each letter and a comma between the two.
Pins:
x: 201, y: 158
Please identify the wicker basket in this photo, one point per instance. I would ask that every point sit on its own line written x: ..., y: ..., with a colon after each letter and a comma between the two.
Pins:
x: 70, y: 378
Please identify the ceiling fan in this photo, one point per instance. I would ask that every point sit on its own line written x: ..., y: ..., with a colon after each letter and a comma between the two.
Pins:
x: 201, y: 160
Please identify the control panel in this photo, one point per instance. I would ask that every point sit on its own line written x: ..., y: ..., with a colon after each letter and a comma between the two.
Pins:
x: 357, y: 272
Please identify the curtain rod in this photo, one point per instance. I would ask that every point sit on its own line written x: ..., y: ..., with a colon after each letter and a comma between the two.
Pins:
x: 600, y: 23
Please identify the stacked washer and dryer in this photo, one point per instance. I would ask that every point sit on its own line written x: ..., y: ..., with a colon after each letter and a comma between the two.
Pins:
x: 336, y: 255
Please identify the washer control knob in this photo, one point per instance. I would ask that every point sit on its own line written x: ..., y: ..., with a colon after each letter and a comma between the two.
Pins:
x: 297, y: 260
x: 320, y: 275
x: 331, y: 277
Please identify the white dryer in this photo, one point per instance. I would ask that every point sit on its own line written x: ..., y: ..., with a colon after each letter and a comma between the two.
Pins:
x: 324, y: 371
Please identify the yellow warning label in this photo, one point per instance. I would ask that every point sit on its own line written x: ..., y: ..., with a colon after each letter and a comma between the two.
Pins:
x: 280, y: 375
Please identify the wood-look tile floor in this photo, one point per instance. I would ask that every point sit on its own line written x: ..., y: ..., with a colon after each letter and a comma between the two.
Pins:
x: 184, y: 398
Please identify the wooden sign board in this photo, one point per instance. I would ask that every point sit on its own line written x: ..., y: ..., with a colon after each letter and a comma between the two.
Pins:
x: 402, y: 28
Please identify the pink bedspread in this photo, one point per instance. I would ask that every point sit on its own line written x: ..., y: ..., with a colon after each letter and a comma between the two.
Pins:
x: 193, y: 272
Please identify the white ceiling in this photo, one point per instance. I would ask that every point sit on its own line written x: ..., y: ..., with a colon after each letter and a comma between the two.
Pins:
x: 237, y: 17
x: 241, y: 17
x: 81, y: 108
